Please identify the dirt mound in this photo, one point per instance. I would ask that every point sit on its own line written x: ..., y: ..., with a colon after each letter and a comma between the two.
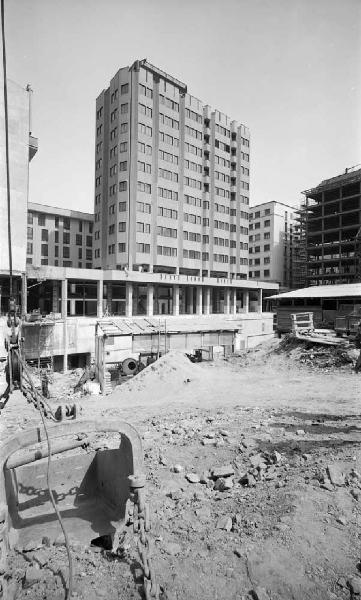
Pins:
x: 172, y: 364
x: 172, y: 370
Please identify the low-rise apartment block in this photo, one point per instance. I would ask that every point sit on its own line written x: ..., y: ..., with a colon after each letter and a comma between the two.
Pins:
x: 271, y: 242
x: 59, y: 237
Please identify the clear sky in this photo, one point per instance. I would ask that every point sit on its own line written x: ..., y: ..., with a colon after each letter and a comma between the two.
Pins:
x: 289, y: 69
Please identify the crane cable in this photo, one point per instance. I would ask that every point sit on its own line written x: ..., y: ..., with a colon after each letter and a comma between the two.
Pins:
x: 52, y: 499
x: 7, y: 148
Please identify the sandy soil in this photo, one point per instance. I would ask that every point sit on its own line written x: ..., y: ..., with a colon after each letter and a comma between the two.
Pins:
x: 281, y: 532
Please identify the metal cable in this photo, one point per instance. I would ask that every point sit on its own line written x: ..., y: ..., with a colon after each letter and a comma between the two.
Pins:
x: 44, y: 404
x: 7, y: 147
x: 57, y: 512
x: 40, y: 406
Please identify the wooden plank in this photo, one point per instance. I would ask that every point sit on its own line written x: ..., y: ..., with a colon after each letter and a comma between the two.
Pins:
x: 320, y: 340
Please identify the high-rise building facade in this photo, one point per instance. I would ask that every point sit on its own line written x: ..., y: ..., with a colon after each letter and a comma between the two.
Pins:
x: 59, y: 237
x: 271, y: 242
x: 22, y: 148
x: 332, y: 219
x: 171, y: 180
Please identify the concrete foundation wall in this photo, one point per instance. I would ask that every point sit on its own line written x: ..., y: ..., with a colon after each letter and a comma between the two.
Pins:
x: 253, y: 328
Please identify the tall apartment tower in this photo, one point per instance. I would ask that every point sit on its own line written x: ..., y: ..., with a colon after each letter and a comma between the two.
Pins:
x: 271, y: 243
x: 171, y: 180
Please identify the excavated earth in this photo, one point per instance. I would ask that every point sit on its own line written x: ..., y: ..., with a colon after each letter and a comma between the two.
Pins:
x: 266, y: 500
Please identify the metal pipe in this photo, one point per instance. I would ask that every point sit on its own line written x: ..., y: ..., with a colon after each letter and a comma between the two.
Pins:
x: 28, y: 456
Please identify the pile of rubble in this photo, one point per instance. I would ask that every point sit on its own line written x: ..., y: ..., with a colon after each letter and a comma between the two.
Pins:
x: 314, y: 356
x: 339, y: 474
x: 263, y: 466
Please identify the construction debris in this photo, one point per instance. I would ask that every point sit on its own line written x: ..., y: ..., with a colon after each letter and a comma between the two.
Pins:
x: 246, y: 494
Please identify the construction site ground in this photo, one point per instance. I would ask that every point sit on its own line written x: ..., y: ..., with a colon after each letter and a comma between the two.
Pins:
x: 279, y: 520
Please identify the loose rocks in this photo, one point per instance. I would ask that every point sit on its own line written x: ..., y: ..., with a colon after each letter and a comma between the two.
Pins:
x: 223, y: 471
x: 225, y: 523
x: 32, y: 576
x: 354, y: 584
x: 336, y: 475
x: 193, y: 478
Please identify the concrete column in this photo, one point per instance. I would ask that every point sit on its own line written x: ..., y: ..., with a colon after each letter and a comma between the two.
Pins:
x: 190, y: 307
x: 227, y: 301
x: 72, y: 307
x: 109, y: 297
x: 150, y: 298
x: 64, y: 298
x: 246, y: 301
x: 64, y: 314
x: 176, y: 300
x: 24, y: 295
x: 55, y: 297
x: 259, y: 305
x: 100, y: 299
x: 199, y: 306
x: 234, y: 302
x: 207, y: 302
x: 128, y: 299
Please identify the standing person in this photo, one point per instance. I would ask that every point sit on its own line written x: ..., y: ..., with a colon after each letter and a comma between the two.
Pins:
x: 358, y: 346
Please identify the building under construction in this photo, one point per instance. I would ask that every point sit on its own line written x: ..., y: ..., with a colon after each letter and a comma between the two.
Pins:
x: 332, y: 219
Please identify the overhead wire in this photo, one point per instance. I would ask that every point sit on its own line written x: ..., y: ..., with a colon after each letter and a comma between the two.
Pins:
x: 39, y: 404
x: 7, y: 158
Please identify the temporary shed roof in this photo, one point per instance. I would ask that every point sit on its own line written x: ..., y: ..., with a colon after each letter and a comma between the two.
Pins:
x: 145, y: 326
x: 349, y: 290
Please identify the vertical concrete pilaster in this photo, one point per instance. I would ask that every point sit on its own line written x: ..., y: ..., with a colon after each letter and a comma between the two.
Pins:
x: 128, y: 299
x: 55, y: 297
x: 24, y: 295
x: 246, y: 301
x: 259, y: 304
x: 109, y: 297
x: 150, y: 299
x: 64, y: 298
x: 176, y: 300
x: 207, y: 303
x: 189, y: 307
x: 234, y: 302
x: 199, y: 306
x: 64, y: 314
x: 227, y: 301
x: 100, y: 299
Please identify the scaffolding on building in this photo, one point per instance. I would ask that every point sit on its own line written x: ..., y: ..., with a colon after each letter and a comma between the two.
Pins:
x: 38, y: 344
x: 332, y: 218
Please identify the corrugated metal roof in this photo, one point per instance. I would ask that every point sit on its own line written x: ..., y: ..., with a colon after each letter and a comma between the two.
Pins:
x: 346, y: 290
x: 146, y: 326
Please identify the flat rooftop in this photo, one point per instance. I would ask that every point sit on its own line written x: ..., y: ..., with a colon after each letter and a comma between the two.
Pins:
x: 61, y: 212
x: 347, y: 290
